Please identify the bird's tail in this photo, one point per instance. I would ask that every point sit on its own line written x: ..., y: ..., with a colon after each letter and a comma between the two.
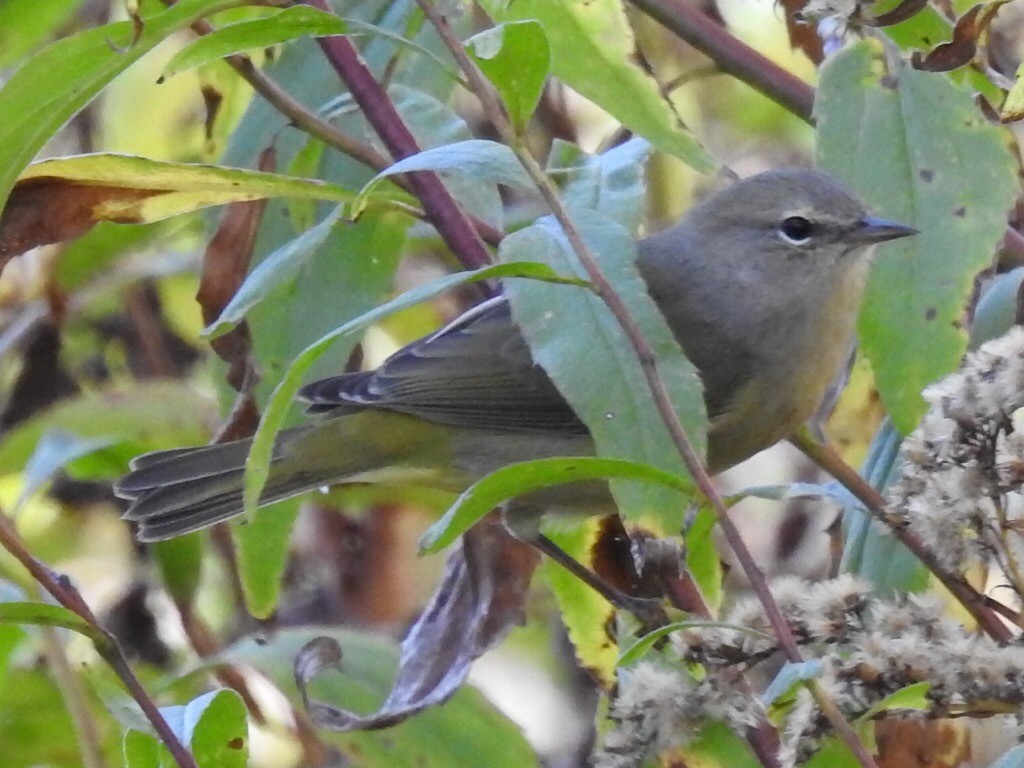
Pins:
x: 182, y: 490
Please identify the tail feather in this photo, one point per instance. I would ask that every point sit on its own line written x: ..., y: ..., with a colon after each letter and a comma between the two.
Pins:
x: 209, y: 511
x: 157, y: 469
x: 182, y: 490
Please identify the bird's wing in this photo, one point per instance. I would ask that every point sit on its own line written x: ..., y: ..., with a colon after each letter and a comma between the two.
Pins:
x: 476, y: 372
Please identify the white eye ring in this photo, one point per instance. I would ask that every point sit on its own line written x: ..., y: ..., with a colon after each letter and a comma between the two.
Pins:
x: 796, y: 230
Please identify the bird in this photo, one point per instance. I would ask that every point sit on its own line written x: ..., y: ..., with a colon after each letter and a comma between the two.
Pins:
x: 760, y: 282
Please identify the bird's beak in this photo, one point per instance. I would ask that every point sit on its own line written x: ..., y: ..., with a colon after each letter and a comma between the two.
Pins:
x: 875, y: 230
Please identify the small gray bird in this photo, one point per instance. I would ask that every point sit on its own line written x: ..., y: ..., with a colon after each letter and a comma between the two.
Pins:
x: 760, y: 283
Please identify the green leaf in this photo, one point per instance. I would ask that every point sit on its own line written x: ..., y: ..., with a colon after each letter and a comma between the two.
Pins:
x: 612, y: 183
x: 466, y: 730
x: 719, y: 746
x: 834, y: 754
x: 585, y: 614
x: 279, y: 27
x: 24, y: 24
x: 869, y: 549
x: 702, y: 559
x: 574, y: 336
x: 789, y: 677
x: 1013, y: 105
x: 592, y: 51
x: 305, y: 163
x: 180, y: 562
x: 516, y: 58
x: 996, y: 312
x: 140, y: 190
x: 920, y: 151
x: 477, y: 159
x: 914, y: 696
x: 258, y: 462
x: 263, y: 545
x: 277, y: 269
x: 528, y: 476
x: 56, y: 448
x: 43, y: 614
x: 143, y: 751
x: 435, y: 125
x: 35, y: 728
x: 213, y: 726
x: 150, y: 415
x: 640, y: 647
x: 55, y: 83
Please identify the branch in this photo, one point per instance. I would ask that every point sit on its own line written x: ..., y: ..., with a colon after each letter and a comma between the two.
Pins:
x: 64, y: 592
x: 450, y: 221
x: 975, y: 603
x: 307, y: 121
x: 732, y: 55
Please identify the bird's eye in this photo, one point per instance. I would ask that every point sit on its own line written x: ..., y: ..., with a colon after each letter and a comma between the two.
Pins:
x: 796, y: 230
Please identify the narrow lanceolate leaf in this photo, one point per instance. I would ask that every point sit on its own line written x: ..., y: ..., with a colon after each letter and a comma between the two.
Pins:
x: 277, y: 27
x: 585, y: 351
x: 476, y: 159
x: 525, y: 477
x: 592, y: 51
x: 54, y: 84
x: 63, y: 198
x: 516, y: 58
x: 273, y: 272
x: 42, y: 614
x: 919, y: 151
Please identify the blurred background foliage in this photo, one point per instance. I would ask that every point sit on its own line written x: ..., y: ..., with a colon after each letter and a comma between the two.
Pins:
x: 103, y: 354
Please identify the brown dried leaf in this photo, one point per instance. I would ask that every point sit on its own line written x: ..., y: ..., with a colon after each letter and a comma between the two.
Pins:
x: 47, y: 210
x: 802, y: 35
x: 964, y: 45
x: 225, y: 265
x: 480, y: 598
x: 899, y: 14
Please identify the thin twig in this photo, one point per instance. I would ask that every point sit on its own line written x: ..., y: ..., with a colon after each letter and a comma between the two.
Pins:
x: 309, y: 122
x: 495, y: 111
x: 448, y: 218
x: 975, y: 603
x: 74, y: 695
x: 64, y: 592
x: 731, y: 55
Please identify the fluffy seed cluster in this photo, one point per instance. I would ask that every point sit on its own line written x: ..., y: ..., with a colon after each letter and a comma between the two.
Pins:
x: 869, y: 649
x: 960, y: 487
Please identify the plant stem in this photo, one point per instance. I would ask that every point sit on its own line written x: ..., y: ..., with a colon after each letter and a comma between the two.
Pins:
x: 975, y: 603
x: 732, y: 55
x: 64, y: 592
x: 307, y: 121
x: 444, y: 213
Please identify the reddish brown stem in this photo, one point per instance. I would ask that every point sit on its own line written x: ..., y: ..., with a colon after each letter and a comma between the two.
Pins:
x: 975, y: 603
x: 444, y: 213
x: 62, y: 590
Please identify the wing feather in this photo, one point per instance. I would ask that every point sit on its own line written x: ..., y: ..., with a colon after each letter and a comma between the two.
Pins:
x: 476, y: 372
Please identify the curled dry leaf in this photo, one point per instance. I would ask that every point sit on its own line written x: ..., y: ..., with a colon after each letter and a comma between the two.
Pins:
x: 225, y: 265
x: 479, y: 599
x: 899, y: 14
x: 48, y: 210
x: 964, y: 45
x: 802, y: 34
